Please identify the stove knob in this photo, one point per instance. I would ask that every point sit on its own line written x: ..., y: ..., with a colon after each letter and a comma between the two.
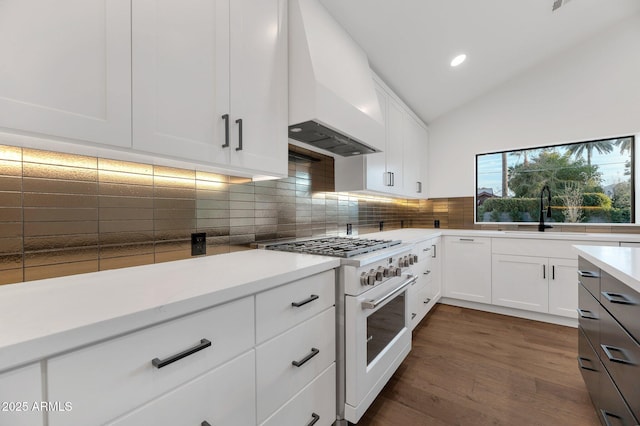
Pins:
x: 380, y: 273
x: 371, y: 277
x: 387, y: 272
x: 410, y: 259
x: 397, y: 272
x: 406, y: 262
x: 415, y: 258
x: 363, y: 278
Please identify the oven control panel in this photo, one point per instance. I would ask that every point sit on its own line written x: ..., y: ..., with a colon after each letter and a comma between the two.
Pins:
x: 360, y: 279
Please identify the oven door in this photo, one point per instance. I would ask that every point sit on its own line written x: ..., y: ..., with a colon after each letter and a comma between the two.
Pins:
x: 377, y: 340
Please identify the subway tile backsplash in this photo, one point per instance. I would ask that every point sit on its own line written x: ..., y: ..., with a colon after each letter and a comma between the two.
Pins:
x: 64, y: 214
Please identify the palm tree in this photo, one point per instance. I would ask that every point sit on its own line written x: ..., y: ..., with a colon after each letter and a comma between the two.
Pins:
x: 624, y: 144
x: 505, y: 176
x: 578, y: 149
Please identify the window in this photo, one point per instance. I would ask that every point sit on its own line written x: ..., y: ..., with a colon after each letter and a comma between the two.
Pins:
x: 590, y: 182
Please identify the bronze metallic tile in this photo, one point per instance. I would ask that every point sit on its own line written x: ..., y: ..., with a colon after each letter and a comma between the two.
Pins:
x: 45, y: 171
x: 51, y: 257
x: 174, y: 183
x: 10, y: 199
x: 242, y: 221
x: 11, y: 276
x: 171, y: 214
x: 211, y: 177
x: 242, y: 189
x: 242, y: 205
x: 125, y: 225
x: 126, y: 262
x: 217, y: 249
x: 212, y: 205
x: 286, y: 185
x: 125, y: 202
x: 165, y: 192
x: 115, y: 213
x: 113, y: 189
x: 10, y: 229
x: 48, y: 214
x: 241, y: 214
x: 125, y: 166
x: 8, y: 152
x: 60, y: 242
x: 241, y: 230
x: 108, y: 176
x: 10, y: 168
x: 266, y: 229
x: 262, y: 212
x: 10, y: 214
x: 60, y: 270
x: 174, y: 235
x: 171, y: 172
x: 208, y: 186
x: 117, y: 238
x: 167, y: 224
x: 240, y: 246
x: 107, y: 251
x: 59, y: 200
x: 241, y: 197
x: 10, y: 261
x: 241, y: 239
x: 213, y: 223
x: 10, y: 183
x: 11, y: 245
x: 33, y: 229
x: 205, y: 196
x: 237, y: 180
x: 168, y: 203
x: 166, y: 246
x: 58, y: 158
x: 216, y: 240
x: 170, y: 256
x: 266, y: 220
x: 212, y: 214
x: 59, y: 186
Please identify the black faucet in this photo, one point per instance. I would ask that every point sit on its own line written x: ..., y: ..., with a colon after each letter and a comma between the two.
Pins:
x: 541, y: 225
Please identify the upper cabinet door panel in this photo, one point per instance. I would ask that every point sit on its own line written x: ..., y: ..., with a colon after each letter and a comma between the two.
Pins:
x: 259, y: 85
x: 395, y: 142
x: 66, y: 69
x: 376, y: 163
x: 181, y: 78
x: 415, y: 147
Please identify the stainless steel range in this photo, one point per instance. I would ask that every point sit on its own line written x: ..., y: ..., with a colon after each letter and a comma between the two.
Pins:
x: 373, y: 335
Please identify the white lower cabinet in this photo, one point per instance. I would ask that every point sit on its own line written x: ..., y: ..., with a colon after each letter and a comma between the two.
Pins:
x: 520, y: 282
x: 20, y: 389
x: 563, y: 287
x: 467, y: 268
x: 220, y: 397
x: 315, y: 404
x: 425, y: 292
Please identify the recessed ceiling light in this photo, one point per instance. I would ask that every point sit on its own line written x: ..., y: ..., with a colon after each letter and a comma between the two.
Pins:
x: 458, y: 60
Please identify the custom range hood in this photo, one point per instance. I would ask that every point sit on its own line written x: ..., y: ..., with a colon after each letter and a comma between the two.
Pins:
x: 333, y: 104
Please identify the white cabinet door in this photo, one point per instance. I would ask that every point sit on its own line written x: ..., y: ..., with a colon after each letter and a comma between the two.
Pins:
x: 181, y: 78
x: 66, y: 69
x: 19, y: 390
x: 563, y: 287
x: 395, y: 142
x: 259, y: 82
x: 414, y: 153
x: 376, y: 166
x: 521, y: 282
x: 467, y: 268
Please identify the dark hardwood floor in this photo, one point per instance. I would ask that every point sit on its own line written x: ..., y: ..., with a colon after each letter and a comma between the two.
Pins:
x: 475, y: 368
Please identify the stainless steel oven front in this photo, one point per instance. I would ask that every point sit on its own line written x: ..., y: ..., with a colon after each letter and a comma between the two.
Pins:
x: 377, y: 339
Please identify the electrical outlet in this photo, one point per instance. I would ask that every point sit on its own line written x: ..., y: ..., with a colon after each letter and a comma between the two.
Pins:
x: 381, y: 224
x: 349, y: 229
x: 198, y: 244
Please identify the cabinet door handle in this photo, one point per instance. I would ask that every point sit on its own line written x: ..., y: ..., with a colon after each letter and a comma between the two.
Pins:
x: 305, y: 301
x: 427, y: 272
x: 225, y: 117
x: 426, y: 301
x: 617, y: 298
x: 159, y: 363
x: 544, y: 271
x: 205, y: 423
x: 435, y: 249
x: 605, y: 416
x: 413, y: 315
x: 586, y: 314
x: 553, y: 272
x: 314, y: 419
x: 588, y: 274
x: 581, y: 364
x: 239, y: 122
x: 300, y: 363
x: 419, y: 187
x: 607, y: 351
x: 393, y: 179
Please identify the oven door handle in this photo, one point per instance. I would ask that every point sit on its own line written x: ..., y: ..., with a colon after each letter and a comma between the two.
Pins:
x: 372, y: 304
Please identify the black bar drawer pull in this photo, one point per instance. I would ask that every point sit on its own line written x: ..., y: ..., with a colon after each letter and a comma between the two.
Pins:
x: 159, y: 363
x: 588, y: 274
x: 225, y: 117
x: 466, y: 239
x: 239, y: 122
x: 435, y: 249
x: 544, y: 271
x: 553, y: 272
x: 413, y: 315
x: 205, y: 423
x: 607, y: 351
x: 606, y: 415
x: 586, y: 314
x: 426, y: 249
x: 300, y: 363
x: 427, y: 272
x: 580, y: 359
x: 305, y: 301
x: 314, y: 419
x: 617, y: 298
x: 426, y: 301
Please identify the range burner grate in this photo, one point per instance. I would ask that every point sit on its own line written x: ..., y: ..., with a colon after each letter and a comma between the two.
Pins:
x: 334, y: 246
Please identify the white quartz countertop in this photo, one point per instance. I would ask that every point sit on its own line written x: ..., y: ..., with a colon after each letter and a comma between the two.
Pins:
x: 46, y: 317
x: 622, y: 263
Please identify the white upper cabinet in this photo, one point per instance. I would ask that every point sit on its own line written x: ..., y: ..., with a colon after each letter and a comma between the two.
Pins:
x: 400, y: 169
x: 66, y: 69
x: 210, y: 82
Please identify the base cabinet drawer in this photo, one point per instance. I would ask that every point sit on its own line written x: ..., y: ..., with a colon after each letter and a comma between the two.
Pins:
x: 589, y: 315
x: 289, y: 362
x: 589, y: 276
x: 110, y: 378
x: 611, y: 407
x: 20, y: 389
x: 220, y: 397
x: 590, y: 366
x: 622, y: 302
x: 316, y: 402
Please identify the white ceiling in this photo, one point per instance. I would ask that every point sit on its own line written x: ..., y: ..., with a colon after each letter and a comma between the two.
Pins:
x: 410, y: 43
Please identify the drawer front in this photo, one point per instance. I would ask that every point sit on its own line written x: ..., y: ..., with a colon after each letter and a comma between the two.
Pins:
x: 561, y: 249
x: 19, y: 390
x: 427, y: 250
x: 278, y: 378
x: 590, y: 366
x: 620, y: 355
x: 224, y: 396
x: 612, y: 408
x: 316, y: 401
x: 589, y: 277
x: 589, y: 315
x: 107, y: 379
x: 275, y: 310
x: 622, y: 302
